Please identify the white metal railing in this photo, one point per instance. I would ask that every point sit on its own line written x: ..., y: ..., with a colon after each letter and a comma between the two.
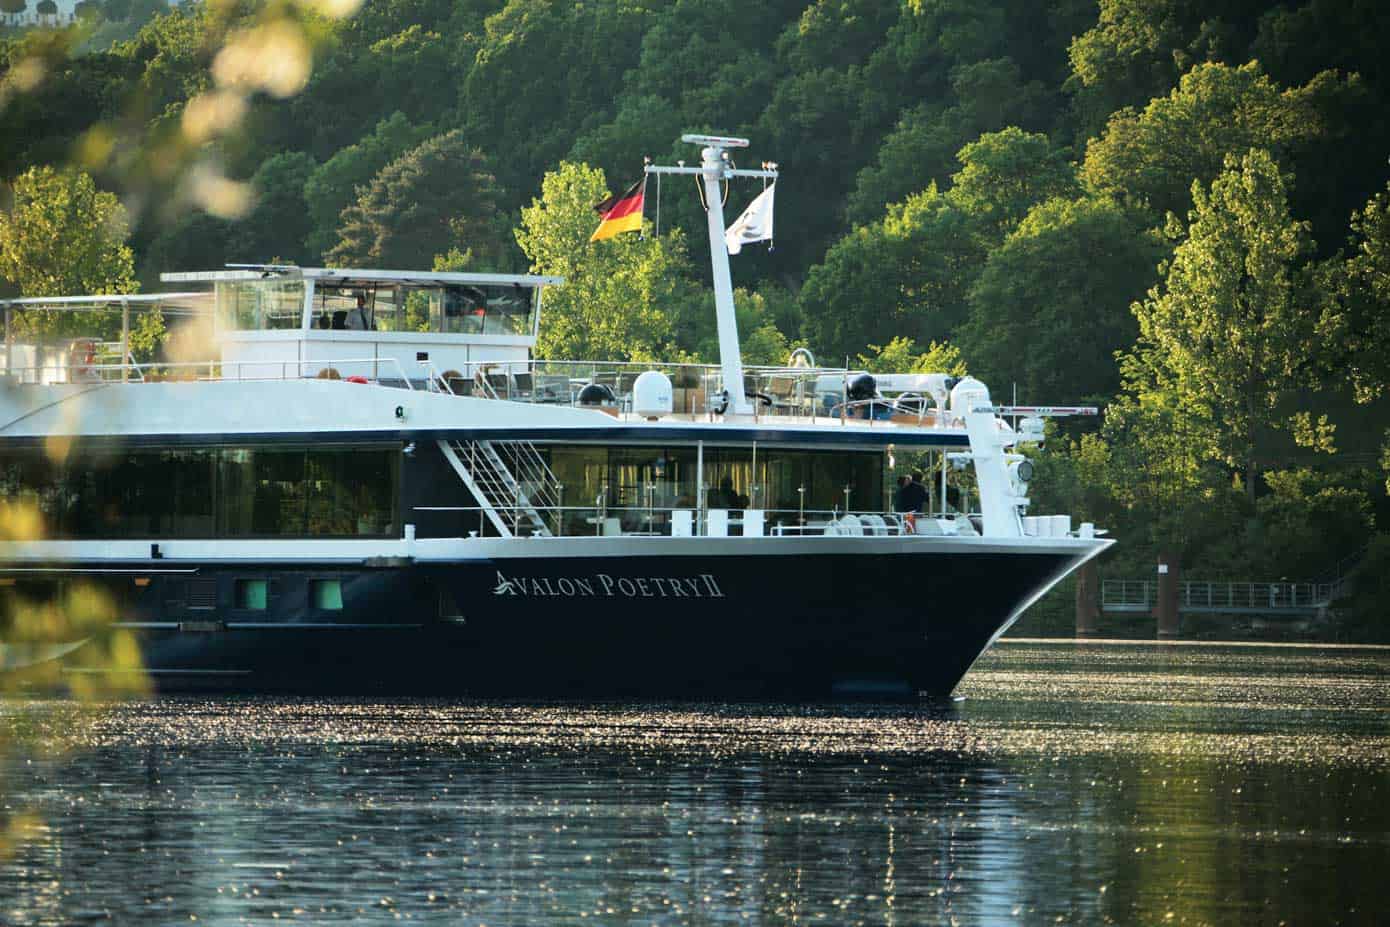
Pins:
x: 646, y: 521
x: 776, y: 391
x: 1198, y: 596
x: 203, y: 371
x: 804, y: 392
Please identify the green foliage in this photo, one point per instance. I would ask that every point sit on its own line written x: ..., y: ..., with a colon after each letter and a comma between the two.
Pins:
x: 541, y: 70
x: 1364, y: 608
x: 439, y: 195
x: 908, y: 275
x: 1003, y: 174
x: 921, y: 148
x: 1227, y: 335
x: 1358, y: 288
x: 332, y: 186
x: 279, y: 224
x: 613, y: 303
x: 64, y: 236
x: 901, y: 356
x: 1051, y: 307
x: 1156, y: 155
x: 1308, y: 517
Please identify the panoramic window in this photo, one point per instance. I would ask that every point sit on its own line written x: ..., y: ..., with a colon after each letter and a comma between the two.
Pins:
x: 260, y: 305
x: 640, y: 485
x: 212, y: 492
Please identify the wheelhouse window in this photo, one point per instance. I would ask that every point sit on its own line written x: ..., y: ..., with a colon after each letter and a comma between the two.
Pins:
x: 265, y: 304
x: 484, y: 309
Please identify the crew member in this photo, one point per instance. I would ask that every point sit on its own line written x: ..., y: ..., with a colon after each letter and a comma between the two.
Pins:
x: 912, y: 497
x: 357, y: 318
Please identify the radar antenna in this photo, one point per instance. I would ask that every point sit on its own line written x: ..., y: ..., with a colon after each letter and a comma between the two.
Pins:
x: 715, y: 167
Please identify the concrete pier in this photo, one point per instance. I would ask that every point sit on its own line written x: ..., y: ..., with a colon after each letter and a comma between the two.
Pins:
x: 1166, y: 609
x: 1088, y: 600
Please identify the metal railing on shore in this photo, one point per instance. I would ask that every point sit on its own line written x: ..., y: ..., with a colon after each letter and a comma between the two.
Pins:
x: 1221, y: 597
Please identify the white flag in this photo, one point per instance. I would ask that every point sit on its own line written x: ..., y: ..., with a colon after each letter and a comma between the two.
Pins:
x: 754, y: 225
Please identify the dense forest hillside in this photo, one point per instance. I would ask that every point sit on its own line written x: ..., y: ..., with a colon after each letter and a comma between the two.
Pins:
x: 1176, y: 209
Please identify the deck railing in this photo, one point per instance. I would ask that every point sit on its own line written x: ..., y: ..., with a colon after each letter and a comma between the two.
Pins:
x: 820, y: 394
x: 697, y: 389
x: 369, y: 368
x: 656, y: 521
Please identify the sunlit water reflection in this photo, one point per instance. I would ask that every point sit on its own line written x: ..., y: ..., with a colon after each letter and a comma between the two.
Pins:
x: 1080, y: 784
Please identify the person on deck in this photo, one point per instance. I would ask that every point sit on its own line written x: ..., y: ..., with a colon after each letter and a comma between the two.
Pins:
x: 357, y: 318
x: 912, y: 497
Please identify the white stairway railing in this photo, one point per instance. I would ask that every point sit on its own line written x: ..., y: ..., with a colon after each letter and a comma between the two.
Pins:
x: 510, y: 481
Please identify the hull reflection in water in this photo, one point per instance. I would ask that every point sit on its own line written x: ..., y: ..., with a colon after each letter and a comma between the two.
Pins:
x: 1076, y: 784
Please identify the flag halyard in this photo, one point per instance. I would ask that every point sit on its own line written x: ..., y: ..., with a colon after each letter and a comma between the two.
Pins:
x: 621, y: 212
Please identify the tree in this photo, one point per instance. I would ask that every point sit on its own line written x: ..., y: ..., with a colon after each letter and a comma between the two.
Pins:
x: 901, y: 356
x: 907, y: 275
x: 63, y: 236
x: 614, y: 303
x: 46, y: 8
x: 278, y: 225
x: 541, y: 71
x: 1228, y: 336
x: 1003, y: 174
x: 13, y: 7
x: 1137, y: 49
x: 1051, y: 307
x: 1216, y: 111
x: 922, y: 147
x: 439, y: 195
x: 1359, y: 328
x: 332, y: 186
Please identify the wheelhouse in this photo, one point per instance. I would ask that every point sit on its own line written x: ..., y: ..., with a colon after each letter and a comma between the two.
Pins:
x: 378, y: 324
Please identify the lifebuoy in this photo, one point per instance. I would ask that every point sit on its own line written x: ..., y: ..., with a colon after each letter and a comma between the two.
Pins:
x: 356, y: 379
x: 81, y: 356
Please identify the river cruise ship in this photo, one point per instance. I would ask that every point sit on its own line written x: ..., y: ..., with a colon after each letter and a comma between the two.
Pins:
x: 374, y: 486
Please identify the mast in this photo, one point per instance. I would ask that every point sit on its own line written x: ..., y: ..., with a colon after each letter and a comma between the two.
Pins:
x: 714, y: 168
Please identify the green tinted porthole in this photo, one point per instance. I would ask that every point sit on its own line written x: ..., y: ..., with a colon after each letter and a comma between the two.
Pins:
x: 326, y: 594
x: 251, y: 594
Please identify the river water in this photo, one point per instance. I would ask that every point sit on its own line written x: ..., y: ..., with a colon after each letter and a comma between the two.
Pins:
x: 1078, y: 784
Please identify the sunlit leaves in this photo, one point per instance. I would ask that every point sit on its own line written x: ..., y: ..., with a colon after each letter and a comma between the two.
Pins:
x: 1228, y: 335
x: 64, y: 236
x: 615, y: 302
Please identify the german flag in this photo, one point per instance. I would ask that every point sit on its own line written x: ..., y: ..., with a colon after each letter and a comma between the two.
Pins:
x: 622, y: 213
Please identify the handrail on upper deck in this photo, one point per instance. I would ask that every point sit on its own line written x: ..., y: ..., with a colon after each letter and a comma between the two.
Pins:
x: 219, y: 366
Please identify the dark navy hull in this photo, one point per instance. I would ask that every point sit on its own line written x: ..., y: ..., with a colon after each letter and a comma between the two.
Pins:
x: 804, y: 625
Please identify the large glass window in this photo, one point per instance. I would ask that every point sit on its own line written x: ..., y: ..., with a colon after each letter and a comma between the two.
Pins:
x: 640, y: 485
x: 258, y: 305
x: 212, y: 492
